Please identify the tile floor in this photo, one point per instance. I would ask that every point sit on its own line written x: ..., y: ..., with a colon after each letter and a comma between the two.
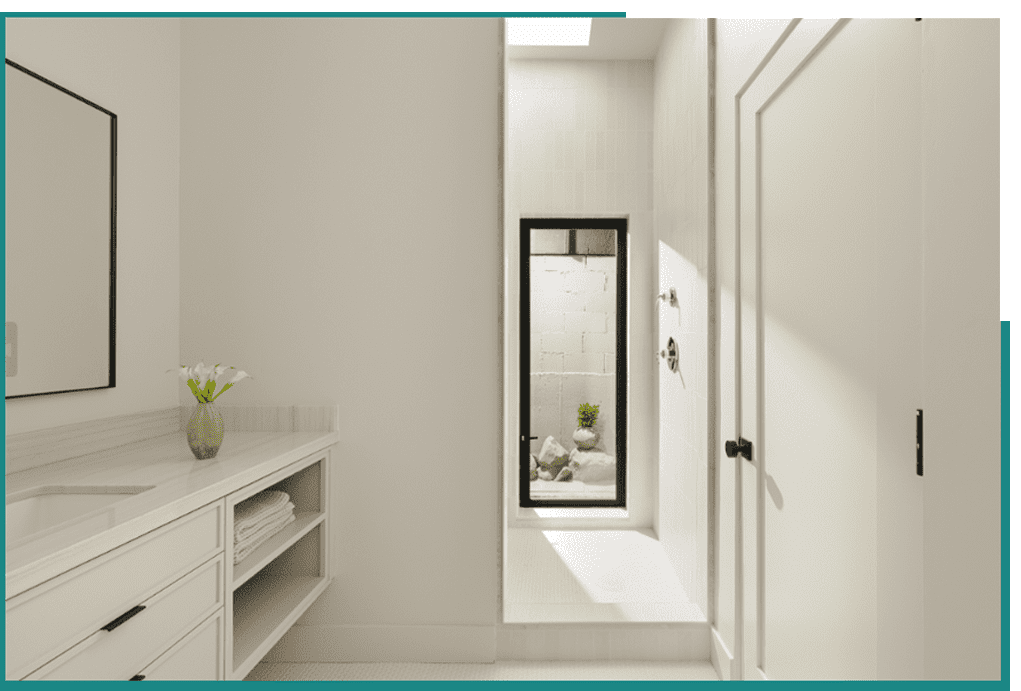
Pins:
x: 504, y: 670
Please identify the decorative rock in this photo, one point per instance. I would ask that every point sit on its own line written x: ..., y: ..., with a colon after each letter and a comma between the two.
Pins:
x: 593, y: 467
x: 533, y: 468
x: 586, y: 438
x: 566, y: 475
x: 544, y: 475
x: 552, y: 457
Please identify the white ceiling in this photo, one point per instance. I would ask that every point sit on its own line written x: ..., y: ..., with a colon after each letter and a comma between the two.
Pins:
x: 612, y: 39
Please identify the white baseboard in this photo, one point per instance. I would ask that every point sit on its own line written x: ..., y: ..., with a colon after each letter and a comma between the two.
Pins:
x: 386, y: 644
x: 719, y: 655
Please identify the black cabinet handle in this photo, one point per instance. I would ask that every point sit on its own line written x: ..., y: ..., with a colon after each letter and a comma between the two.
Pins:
x: 123, y: 618
x: 137, y: 677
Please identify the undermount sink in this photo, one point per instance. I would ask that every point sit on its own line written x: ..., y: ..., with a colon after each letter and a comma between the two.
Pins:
x: 34, y: 510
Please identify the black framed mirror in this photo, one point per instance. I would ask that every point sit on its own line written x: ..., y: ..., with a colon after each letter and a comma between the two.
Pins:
x: 573, y: 329
x: 61, y: 238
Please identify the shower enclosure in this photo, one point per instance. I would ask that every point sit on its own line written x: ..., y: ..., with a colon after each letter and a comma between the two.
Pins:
x: 573, y: 362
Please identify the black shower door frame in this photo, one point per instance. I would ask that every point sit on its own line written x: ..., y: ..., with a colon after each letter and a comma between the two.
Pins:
x: 526, y: 226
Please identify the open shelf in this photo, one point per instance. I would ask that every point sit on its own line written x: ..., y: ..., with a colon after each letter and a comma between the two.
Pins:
x: 264, y: 608
x: 281, y: 578
x: 276, y: 545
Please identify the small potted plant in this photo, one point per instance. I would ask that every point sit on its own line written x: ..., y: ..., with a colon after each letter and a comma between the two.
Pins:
x: 586, y: 437
x: 205, y: 428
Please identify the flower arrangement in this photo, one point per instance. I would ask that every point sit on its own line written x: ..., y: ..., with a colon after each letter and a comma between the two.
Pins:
x: 202, y: 380
x: 587, y: 415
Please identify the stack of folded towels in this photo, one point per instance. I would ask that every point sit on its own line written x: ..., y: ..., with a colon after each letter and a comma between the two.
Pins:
x: 259, y: 518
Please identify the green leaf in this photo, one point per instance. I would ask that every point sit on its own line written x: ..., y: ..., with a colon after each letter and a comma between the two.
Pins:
x: 587, y: 415
x: 222, y: 390
x: 193, y: 385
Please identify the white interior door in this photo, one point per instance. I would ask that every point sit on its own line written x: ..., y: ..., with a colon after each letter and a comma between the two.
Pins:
x: 817, y: 149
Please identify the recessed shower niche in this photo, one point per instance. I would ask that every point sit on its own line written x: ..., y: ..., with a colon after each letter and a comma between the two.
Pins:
x: 573, y: 362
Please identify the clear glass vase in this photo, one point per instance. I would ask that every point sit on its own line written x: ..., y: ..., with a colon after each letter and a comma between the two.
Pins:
x: 205, y: 431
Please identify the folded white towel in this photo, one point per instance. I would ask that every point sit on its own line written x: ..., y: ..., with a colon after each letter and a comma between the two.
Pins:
x: 270, y: 521
x: 264, y: 520
x: 252, y: 542
x: 253, y: 510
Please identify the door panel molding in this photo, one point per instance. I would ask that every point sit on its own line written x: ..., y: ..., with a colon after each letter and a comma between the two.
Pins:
x: 795, y: 48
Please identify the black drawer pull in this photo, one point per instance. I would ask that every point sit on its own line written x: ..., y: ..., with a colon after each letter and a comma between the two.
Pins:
x: 123, y: 618
x: 137, y: 677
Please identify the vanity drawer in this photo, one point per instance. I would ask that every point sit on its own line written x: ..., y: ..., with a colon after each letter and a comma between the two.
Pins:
x: 51, y: 618
x: 198, y: 656
x: 167, y: 616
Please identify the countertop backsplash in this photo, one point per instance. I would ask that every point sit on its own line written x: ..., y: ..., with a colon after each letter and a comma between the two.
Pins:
x: 42, y: 447
x: 297, y: 418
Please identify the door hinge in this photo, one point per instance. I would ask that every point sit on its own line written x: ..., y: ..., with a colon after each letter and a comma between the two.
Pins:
x: 918, y: 441
x: 741, y: 447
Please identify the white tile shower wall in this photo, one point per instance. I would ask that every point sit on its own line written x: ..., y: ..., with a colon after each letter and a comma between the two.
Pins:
x: 580, y: 145
x: 682, y: 231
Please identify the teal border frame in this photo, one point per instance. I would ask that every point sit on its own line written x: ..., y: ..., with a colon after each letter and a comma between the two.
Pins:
x: 1004, y: 502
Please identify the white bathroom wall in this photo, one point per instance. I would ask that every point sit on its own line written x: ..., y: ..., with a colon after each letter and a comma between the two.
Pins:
x: 580, y: 145
x: 131, y: 67
x: 684, y: 261
x: 340, y: 236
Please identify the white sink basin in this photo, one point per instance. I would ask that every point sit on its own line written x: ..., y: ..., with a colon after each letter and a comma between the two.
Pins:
x: 39, y: 508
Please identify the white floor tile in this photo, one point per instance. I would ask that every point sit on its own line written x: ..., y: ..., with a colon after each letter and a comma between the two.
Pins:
x: 500, y: 670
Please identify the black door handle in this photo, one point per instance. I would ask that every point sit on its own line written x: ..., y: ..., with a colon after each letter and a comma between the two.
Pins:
x: 741, y: 447
x: 123, y: 618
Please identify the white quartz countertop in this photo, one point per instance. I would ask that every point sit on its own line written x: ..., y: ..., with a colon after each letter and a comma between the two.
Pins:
x: 181, y: 485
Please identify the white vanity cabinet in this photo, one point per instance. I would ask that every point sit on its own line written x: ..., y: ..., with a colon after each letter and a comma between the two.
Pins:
x: 110, y: 617
x: 171, y: 604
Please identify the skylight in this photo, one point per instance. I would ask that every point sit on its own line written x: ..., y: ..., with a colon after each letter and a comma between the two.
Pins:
x: 543, y: 31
